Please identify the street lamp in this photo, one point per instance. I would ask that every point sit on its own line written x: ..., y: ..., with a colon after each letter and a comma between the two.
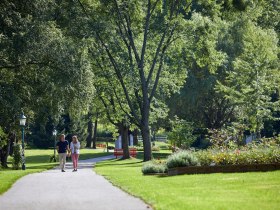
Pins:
x: 22, y: 121
x: 54, y: 135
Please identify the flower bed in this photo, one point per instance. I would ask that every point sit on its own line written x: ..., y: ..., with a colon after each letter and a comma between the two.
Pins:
x: 223, y: 169
x: 217, y: 161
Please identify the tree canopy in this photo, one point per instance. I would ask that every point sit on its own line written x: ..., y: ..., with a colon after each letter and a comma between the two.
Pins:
x: 211, y: 63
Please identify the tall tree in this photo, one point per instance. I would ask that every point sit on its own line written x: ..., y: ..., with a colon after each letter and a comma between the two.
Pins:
x: 139, y: 41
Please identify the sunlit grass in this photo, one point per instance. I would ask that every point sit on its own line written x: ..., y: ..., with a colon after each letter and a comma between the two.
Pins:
x: 257, y: 190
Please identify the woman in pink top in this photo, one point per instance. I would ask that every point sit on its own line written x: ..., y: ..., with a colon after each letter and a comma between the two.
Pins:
x: 75, y: 151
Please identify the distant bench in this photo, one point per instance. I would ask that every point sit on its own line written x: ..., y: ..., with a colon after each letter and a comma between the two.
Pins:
x: 119, y: 152
x: 101, y: 145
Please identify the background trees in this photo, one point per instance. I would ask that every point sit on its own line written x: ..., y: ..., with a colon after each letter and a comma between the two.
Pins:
x: 43, y: 72
x: 67, y: 63
x: 233, y: 66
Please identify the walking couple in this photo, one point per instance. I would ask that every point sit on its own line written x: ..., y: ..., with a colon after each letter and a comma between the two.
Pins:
x: 63, y: 150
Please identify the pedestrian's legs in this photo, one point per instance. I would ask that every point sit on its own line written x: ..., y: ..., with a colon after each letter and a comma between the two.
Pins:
x: 77, y: 158
x: 60, y: 155
x: 74, y: 161
x: 62, y: 160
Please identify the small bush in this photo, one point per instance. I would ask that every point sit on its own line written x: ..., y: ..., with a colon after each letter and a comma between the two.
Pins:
x: 181, y: 159
x: 182, y: 134
x: 155, y: 148
x: 139, y: 148
x: 16, y: 157
x: 153, y: 167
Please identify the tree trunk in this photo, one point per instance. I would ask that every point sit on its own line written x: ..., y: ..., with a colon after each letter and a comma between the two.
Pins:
x: 146, y: 143
x: 5, y: 151
x: 89, y: 137
x: 135, y: 139
x: 12, y: 140
x: 145, y: 131
x: 94, y: 134
x: 3, y: 157
x: 124, y: 134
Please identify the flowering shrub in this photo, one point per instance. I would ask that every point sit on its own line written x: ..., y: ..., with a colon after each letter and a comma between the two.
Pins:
x: 240, y: 157
x: 204, y: 157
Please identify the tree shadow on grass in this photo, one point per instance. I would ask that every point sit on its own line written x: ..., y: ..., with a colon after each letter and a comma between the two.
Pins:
x: 41, y: 167
x: 155, y: 155
x: 120, y: 164
x: 84, y: 156
x: 38, y: 159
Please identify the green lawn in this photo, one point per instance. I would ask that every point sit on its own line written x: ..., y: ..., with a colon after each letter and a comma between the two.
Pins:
x: 162, y: 154
x: 258, y: 190
x: 37, y: 161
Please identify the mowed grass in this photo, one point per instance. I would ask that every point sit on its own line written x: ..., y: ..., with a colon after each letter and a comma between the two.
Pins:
x: 258, y: 190
x: 36, y: 161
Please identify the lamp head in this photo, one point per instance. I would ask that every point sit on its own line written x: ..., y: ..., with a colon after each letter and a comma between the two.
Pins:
x: 54, y: 132
x: 22, y: 120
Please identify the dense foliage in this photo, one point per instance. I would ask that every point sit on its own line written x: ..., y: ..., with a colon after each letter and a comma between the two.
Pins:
x: 67, y: 64
x: 182, y: 134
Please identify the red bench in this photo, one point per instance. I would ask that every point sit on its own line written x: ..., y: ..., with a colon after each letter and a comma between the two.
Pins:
x: 101, y: 145
x: 119, y: 152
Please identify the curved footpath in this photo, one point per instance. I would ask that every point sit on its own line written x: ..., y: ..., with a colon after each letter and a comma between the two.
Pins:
x: 81, y: 190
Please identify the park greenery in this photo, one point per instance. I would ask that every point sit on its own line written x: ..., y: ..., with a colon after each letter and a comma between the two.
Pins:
x: 255, y: 190
x: 200, y: 191
x: 265, y: 152
x: 203, y: 71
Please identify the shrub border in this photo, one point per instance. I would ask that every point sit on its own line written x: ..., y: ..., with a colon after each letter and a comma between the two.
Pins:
x: 223, y: 169
x: 156, y: 174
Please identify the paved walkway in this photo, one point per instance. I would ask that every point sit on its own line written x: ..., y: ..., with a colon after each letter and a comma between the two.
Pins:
x: 81, y: 190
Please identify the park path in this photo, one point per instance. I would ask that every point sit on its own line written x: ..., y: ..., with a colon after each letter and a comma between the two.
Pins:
x: 82, y: 190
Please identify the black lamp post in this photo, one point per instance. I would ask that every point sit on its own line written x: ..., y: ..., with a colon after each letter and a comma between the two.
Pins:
x: 22, y: 122
x: 54, y: 145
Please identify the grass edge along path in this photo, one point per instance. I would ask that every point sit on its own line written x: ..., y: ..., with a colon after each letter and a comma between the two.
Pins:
x: 38, y: 160
x: 256, y: 190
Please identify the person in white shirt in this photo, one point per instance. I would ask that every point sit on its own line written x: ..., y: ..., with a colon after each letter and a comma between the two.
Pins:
x: 75, y: 151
